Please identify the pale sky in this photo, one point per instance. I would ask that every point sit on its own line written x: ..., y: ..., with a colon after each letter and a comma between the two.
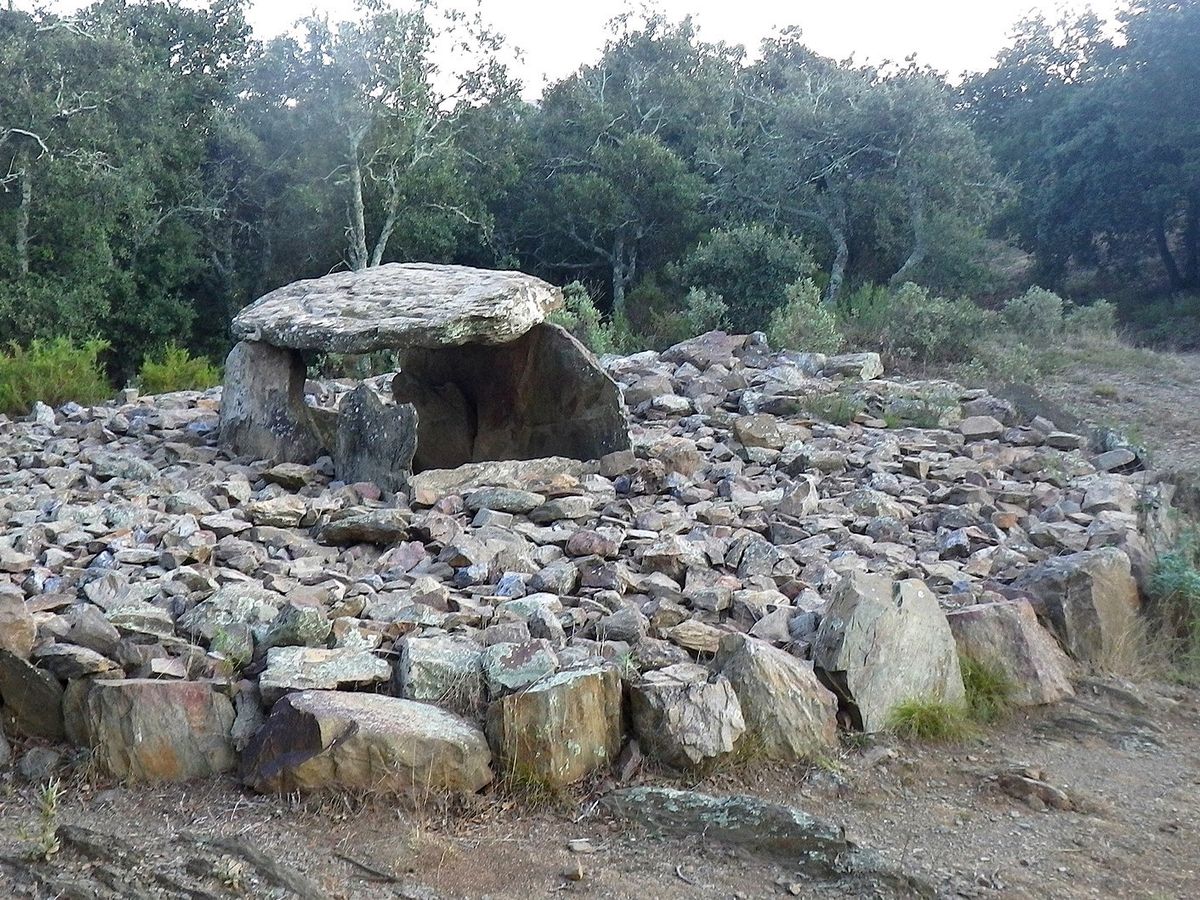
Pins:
x: 557, y: 36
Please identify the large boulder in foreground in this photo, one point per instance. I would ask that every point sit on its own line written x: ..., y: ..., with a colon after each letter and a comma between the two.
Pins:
x: 1088, y: 600
x: 559, y: 730
x: 1007, y: 638
x: 789, y: 714
x: 882, y: 643
x: 338, y: 741
x: 145, y: 730
x: 397, y: 306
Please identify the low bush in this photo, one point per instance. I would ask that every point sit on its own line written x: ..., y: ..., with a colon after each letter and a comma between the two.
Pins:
x: 836, y: 408
x: 930, y: 720
x: 53, y: 371
x: 174, y: 369
x: 583, y: 318
x: 911, y: 324
x: 1175, y: 597
x: 706, y: 311
x: 804, y: 322
x: 1037, y: 315
x: 989, y: 690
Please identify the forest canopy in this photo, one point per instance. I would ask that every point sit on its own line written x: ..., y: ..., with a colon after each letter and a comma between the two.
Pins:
x: 161, y: 166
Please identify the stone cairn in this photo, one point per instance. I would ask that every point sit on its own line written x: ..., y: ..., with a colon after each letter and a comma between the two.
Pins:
x: 672, y: 548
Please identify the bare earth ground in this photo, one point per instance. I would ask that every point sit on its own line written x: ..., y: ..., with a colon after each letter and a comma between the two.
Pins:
x: 1127, y: 756
x: 1154, y: 397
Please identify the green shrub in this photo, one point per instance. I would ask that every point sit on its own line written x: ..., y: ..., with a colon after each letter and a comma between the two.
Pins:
x: 53, y: 371
x: 930, y: 720
x: 1037, y: 315
x: 989, y: 690
x: 1013, y: 363
x: 1175, y: 594
x: 911, y: 324
x: 749, y: 266
x: 922, y: 411
x: 583, y: 318
x: 836, y: 408
x: 803, y: 322
x: 174, y: 369
x: 1097, y: 319
x: 706, y: 311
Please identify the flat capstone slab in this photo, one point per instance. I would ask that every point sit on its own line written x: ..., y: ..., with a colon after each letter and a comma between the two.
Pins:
x: 399, y: 306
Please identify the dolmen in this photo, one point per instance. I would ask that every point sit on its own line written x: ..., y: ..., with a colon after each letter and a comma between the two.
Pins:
x: 482, y: 374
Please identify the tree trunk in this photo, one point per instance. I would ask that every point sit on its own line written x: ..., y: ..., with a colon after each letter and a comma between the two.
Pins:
x: 834, y: 215
x: 357, y: 226
x: 920, y: 246
x: 1191, y: 243
x: 1164, y: 251
x: 619, y: 275
x: 22, y: 239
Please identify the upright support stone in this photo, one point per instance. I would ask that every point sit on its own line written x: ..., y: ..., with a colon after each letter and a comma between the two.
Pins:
x: 375, y: 442
x: 262, y: 405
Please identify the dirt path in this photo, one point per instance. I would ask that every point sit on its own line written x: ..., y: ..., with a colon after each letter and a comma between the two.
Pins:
x: 1127, y: 758
x: 1153, y: 397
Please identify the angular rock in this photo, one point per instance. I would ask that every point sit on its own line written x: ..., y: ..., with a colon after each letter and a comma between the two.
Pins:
x: 1088, y: 600
x: 157, y: 731
x: 510, y: 667
x: 335, y: 741
x: 263, y: 413
x: 32, y: 699
x: 560, y: 729
x: 1006, y: 637
x: 882, y: 643
x: 447, y: 671
x: 17, y: 629
x: 313, y: 668
x: 683, y: 717
x: 366, y: 526
x: 397, y: 306
x: 789, y: 715
x: 375, y: 441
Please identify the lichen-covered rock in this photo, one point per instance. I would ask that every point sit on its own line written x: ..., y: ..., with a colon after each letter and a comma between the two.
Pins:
x: 148, y: 730
x: 336, y: 741
x: 375, y: 441
x: 882, y: 643
x: 789, y: 715
x: 560, y: 729
x: 399, y: 305
x: 263, y: 414
x: 447, y: 671
x: 317, y: 668
x: 513, y: 666
x: 1006, y: 637
x: 1088, y: 600
x: 683, y: 716
x: 770, y: 829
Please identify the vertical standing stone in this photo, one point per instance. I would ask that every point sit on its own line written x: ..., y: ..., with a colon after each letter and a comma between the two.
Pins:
x: 262, y: 405
x: 375, y: 442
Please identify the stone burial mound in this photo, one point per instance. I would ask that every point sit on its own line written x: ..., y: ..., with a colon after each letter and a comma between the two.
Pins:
x: 482, y: 375
x: 790, y: 545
